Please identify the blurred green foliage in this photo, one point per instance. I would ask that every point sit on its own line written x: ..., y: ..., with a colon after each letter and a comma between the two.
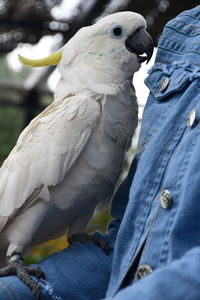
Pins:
x: 11, y: 120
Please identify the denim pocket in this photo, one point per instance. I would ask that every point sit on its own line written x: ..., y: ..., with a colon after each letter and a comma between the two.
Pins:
x: 165, y: 80
x: 166, y: 83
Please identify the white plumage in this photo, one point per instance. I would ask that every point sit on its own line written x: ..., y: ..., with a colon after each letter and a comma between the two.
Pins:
x: 70, y: 156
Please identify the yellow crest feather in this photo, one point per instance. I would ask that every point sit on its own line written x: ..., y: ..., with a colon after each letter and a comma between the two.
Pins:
x: 52, y: 59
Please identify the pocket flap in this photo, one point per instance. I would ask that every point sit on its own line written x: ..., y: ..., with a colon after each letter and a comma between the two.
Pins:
x: 164, y: 80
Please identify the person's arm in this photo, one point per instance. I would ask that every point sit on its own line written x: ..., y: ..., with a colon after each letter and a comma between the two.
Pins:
x: 179, y: 280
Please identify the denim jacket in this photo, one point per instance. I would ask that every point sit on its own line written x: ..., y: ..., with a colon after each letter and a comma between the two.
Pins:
x: 154, y: 238
x: 161, y: 225
x: 163, y: 213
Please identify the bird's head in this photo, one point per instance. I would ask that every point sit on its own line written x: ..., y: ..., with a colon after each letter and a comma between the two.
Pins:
x: 108, y: 52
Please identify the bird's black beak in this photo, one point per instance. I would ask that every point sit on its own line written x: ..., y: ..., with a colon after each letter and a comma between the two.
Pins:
x: 140, y: 43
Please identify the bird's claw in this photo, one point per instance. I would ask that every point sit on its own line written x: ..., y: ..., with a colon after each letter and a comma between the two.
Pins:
x: 17, y: 267
x: 85, y: 238
x: 35, y: 271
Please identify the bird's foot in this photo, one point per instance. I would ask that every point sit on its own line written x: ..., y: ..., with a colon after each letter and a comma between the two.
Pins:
x: 16, y: 266
x: 85, y: 238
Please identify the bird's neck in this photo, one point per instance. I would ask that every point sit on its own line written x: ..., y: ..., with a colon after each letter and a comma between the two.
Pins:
x: 86, y: 80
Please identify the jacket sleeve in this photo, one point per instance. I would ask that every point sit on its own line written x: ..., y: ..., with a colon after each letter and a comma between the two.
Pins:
x: 177, y: 281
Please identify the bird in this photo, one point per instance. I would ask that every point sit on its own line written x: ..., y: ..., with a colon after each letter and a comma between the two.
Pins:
x: 67, y: 161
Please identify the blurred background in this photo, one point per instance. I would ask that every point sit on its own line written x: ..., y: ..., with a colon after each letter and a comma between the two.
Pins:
x: 35, y: 28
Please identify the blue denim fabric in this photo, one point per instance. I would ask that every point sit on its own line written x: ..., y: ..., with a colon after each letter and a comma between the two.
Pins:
x: 168, y: 157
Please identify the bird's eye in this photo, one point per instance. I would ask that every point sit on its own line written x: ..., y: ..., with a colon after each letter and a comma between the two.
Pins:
x: 117, y: 32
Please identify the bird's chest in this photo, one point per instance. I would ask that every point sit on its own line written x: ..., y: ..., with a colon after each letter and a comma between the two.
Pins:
x: 120, y: 119
x: 119, y: 132
x: 112, y: 137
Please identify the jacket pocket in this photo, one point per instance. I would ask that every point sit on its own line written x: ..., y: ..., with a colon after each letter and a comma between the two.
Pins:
x: 163, y: 80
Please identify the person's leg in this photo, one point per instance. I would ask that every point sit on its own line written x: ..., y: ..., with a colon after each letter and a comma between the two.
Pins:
x: 80, y: 272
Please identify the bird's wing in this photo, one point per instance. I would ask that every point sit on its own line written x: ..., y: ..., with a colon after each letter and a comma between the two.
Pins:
x: 45, y: 151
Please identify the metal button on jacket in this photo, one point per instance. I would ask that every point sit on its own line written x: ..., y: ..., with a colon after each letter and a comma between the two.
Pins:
x: 143, y: 271
x: 165, y: 199
x: 164, y: 84
x: 191, y: 118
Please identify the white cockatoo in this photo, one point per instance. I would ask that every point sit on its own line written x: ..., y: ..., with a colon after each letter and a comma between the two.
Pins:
x: 68, y: 159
